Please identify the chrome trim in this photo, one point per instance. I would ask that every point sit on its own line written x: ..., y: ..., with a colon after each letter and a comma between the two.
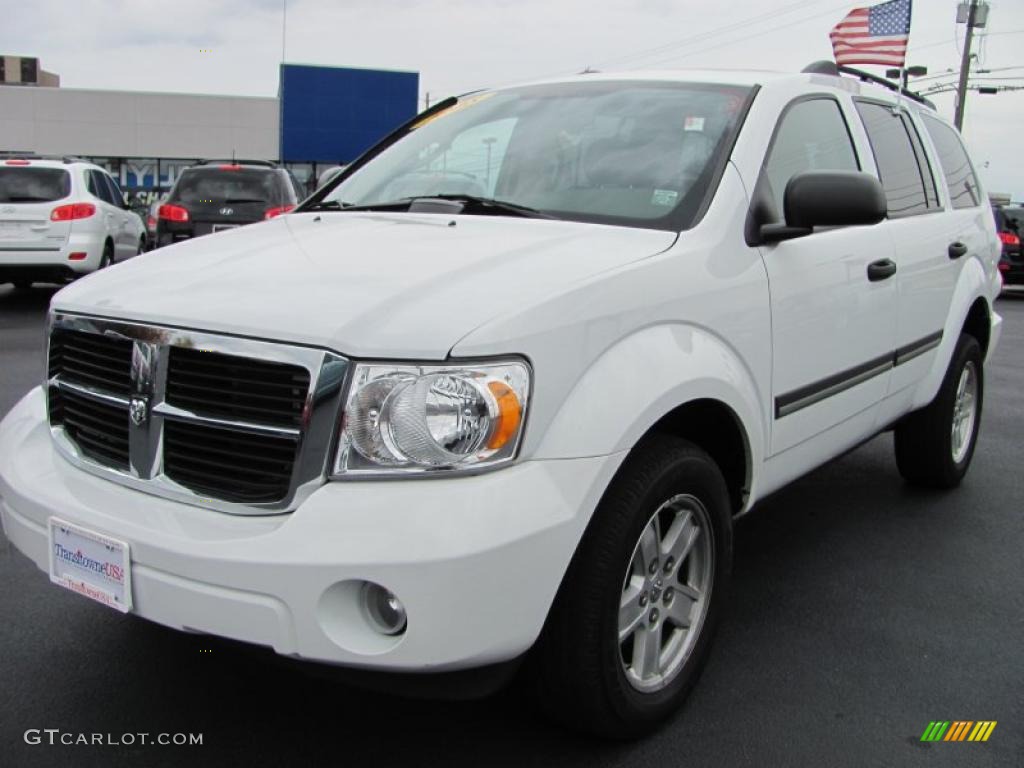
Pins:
x: 90, y: 392
x: 169, y: 411
x: 150, y: 355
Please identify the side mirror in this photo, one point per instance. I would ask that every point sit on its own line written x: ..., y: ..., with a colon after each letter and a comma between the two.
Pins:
x: 827, y: 199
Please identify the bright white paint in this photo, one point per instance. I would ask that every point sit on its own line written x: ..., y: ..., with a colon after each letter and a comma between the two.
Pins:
x: 620, y: 325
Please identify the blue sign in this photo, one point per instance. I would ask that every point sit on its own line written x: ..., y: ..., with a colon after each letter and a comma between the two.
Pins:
x: 333, y: 114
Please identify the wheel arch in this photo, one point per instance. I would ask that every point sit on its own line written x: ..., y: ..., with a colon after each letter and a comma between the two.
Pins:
x: 675, y: 379
x: 978, y: 323
x: 970, y: 311
x: 715, y: 428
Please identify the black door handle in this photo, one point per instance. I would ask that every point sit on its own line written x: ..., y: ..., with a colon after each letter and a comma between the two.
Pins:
x: 957, y: 249
x: 882, y: 269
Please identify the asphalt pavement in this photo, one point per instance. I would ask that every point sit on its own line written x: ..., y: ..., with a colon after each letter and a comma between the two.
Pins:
x: 861, y: 610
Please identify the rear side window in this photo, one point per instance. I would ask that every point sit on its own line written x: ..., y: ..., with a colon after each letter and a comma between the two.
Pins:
x: 114, y: 191
x: 221, y: 186
x: 956, y: 166
x: 98, y: 187
x: 902, y: 166
x: 33, y: 185
x: 812, y: 136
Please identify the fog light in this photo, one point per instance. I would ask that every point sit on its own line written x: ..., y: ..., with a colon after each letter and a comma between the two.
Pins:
x: 385, y: 611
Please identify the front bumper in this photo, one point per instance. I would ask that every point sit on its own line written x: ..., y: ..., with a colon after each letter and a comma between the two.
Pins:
x: 476, y: 560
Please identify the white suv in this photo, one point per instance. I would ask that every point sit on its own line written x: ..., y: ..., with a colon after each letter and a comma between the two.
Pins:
x: 60, y: 219
x: 499, y: 391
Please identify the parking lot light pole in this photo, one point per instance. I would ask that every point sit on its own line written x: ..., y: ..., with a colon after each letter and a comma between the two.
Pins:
x: 904, y: 75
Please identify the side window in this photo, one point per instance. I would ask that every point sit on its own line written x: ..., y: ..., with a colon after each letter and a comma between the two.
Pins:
x: 95, y: 185
x: 116, y: 197
x: 902, y: 166
x: 956, y: 166
x: 811, y: 136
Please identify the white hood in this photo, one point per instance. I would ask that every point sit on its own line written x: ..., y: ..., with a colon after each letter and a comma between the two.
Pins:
x: 363, y: 284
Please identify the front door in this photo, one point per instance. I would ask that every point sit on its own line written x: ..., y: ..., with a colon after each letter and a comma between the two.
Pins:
x: 833, y: 314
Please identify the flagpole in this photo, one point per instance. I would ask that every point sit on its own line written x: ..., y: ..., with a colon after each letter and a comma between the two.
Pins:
x: 900, y: 86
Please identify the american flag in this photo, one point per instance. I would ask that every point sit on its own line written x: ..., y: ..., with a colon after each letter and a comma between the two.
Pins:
x: 875, y: 35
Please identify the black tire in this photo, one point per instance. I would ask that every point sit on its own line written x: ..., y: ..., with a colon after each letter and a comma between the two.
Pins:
x: 108, y: 256
x: 142, y: 246
x: 577, y: 671
x: 924, y: 439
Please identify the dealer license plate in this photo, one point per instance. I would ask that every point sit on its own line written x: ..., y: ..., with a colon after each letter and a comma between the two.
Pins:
x: 90, y: 564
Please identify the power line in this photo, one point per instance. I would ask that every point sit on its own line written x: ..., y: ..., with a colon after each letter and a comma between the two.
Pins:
x: 747, y: 37
x: 713, y: 33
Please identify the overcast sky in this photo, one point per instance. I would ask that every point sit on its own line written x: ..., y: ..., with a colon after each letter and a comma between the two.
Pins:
x: 235, y: 46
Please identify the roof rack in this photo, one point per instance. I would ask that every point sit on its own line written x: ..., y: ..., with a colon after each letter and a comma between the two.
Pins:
x: 11, y: 155
x: 826, y: 67
x: 235, y: 161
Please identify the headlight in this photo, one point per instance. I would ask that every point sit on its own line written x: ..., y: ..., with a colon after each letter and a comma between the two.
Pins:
x: 416, y: 418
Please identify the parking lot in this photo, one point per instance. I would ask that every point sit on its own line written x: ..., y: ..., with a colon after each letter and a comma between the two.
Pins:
x: 861, y: 611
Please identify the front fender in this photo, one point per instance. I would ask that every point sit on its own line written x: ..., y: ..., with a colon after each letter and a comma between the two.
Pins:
x: 644, y: 376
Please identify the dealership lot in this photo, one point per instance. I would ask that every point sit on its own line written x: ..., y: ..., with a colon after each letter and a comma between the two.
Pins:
x: 861, y: 611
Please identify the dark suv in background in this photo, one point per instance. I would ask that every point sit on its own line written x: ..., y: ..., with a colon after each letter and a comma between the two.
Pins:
x: 221, y: 194
x: 1009, y: 222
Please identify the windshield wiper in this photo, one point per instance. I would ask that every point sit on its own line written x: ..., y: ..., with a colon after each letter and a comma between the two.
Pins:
x: 338, y: 205
x: 405, y: 203
x: 504, y: 206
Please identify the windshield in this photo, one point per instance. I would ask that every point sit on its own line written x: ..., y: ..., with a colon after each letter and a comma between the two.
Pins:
x: 639, y: 154
x: 230, y: 185
x: 33, y: 185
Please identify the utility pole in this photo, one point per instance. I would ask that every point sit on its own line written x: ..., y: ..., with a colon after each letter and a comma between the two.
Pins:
x: 965, y: 67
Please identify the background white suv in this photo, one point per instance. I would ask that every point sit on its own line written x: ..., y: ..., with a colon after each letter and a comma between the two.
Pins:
x: 60, y: 219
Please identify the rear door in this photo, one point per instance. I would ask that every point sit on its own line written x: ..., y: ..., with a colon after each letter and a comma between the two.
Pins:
x: 108, y: 213
x: 922, y: 235
x: 124, y: 234
x: 831, y: 325
x: 28, y: 195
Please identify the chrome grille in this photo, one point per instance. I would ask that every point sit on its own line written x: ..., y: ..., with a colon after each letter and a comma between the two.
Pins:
x: 92, y: 359
x: 239, y: 425
x: 231, y: 465
x: 100, y: 430
x: 236, y: 387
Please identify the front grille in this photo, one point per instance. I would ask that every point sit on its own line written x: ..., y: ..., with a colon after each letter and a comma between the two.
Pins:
x: 91, y: 359
x: 166, y: 410
x: 237, y: 388
x: 100, y: 430
x: 228, y: 464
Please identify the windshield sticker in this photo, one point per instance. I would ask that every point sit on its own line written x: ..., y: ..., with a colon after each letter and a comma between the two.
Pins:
x: 693, y: 124
x: 664, y: 197
x: 458, y: 106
